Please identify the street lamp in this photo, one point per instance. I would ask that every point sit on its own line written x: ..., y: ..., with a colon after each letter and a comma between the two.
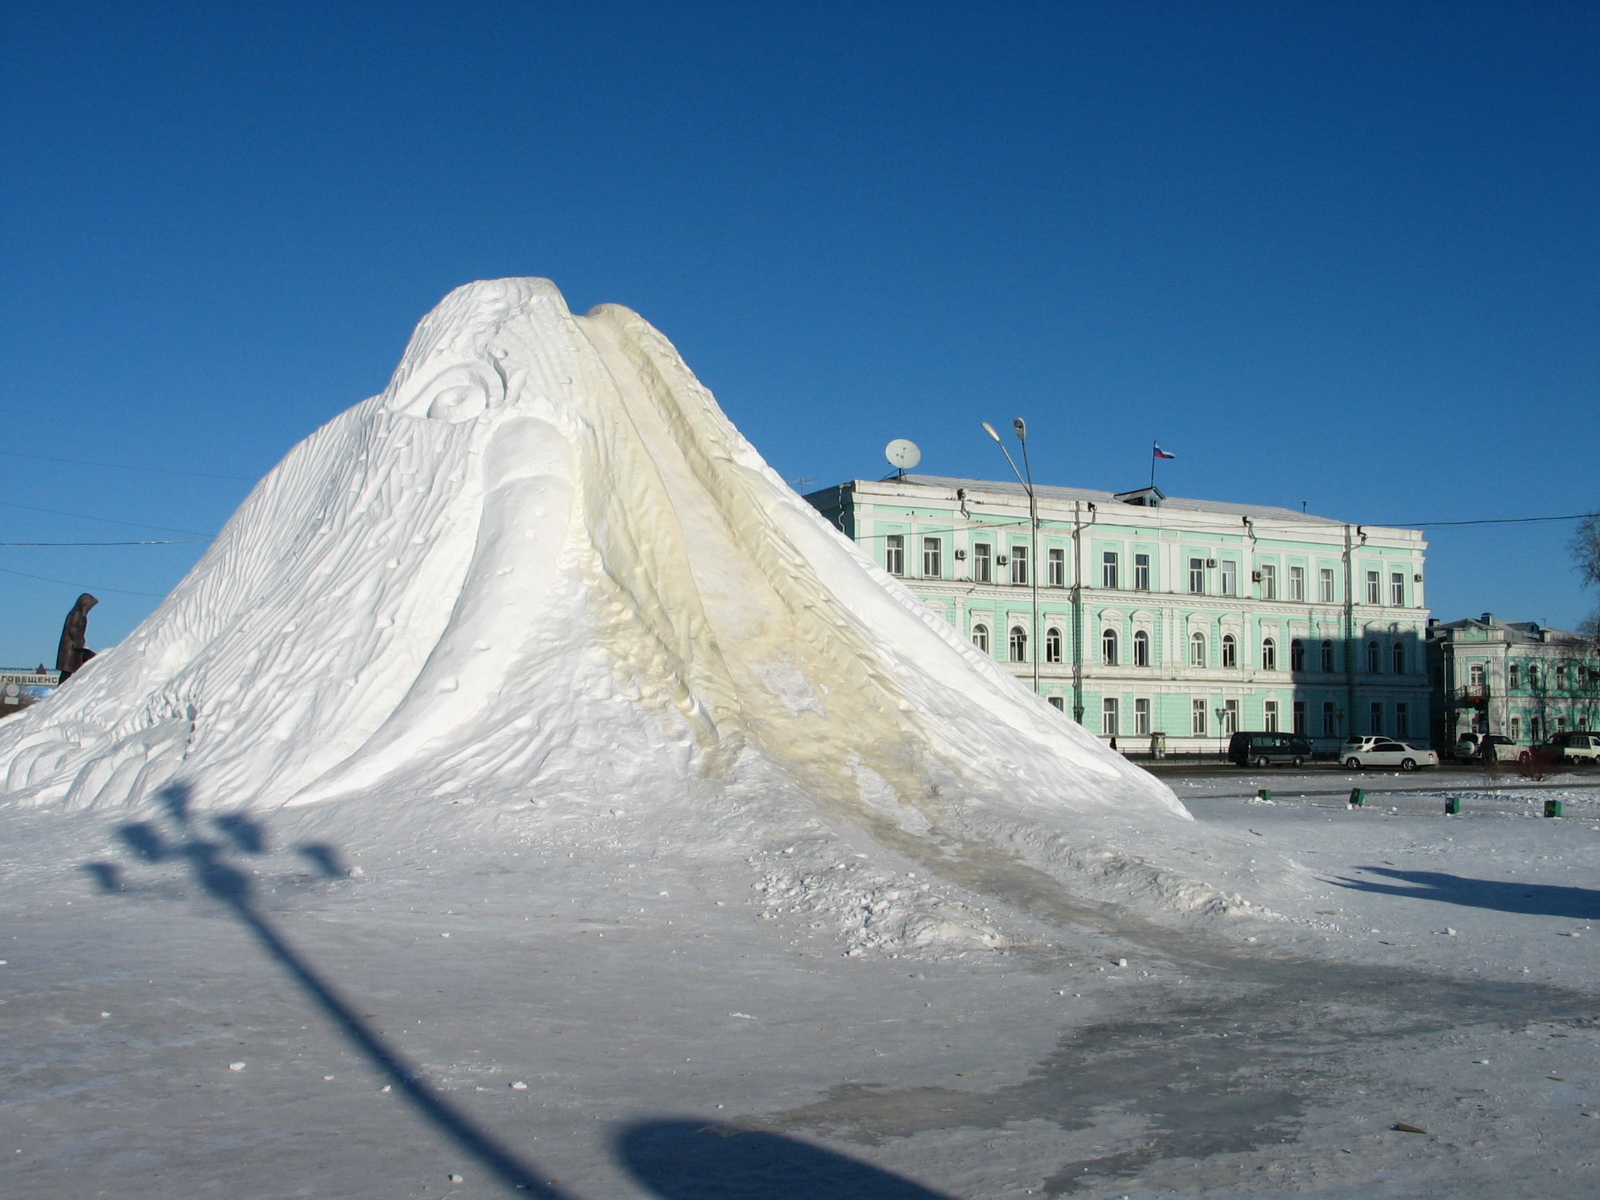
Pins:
x: 1021, y: 427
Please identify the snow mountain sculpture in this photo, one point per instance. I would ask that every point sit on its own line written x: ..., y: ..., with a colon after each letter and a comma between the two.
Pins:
x: 544, y: 564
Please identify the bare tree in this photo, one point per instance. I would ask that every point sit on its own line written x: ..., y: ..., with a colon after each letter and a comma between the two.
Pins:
x: 1586, y: 560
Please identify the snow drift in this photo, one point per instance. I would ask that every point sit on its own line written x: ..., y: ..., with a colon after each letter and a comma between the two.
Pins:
x: 542, y: 564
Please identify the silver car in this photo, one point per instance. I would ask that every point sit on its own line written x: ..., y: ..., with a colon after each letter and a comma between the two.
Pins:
x: 1386, y: 753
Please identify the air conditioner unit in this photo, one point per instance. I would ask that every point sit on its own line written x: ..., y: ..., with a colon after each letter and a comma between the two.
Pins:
x: 1255, y: 576
x: 1211, y: 562
x: 961, y: 555
x: 1001, y: 559
x: 1416, y: 579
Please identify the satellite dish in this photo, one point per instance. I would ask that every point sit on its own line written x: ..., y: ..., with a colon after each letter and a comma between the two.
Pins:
x: 902, y: 454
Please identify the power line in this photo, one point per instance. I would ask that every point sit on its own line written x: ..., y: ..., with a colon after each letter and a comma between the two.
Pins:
x: 54, y: 512
x: 88, y: 587
x: 78, y: 462
x: 1489, y: 521
x: 182, y: 543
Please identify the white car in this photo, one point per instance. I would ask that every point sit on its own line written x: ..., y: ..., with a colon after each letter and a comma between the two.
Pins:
x: 1384, y: 753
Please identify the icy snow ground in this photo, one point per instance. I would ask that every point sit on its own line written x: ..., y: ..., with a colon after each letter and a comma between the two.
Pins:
x: 655, y: 994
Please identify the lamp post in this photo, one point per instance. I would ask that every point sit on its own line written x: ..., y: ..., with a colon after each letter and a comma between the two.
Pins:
x: 1021, y: 427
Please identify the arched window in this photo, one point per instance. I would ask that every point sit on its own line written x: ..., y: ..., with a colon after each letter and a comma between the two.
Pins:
x: 1197, y: 649
x: 1374, y: 658
x: 1052, y: 645
x: 1327, y: 656
x: 1230, y: 650
x: 1141, y: 649
x: 1297, y: 655
x: 980, y: 637
x: 1561, y: 677
x: 1514, y: 675
x: 1398, y: 654
x: 1269, y: 654
x: 1108, y: 647
x: 1019, y: 644
x: 1533, y: 676
x: 1475, y: 674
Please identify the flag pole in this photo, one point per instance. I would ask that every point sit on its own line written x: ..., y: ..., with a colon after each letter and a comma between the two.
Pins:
x: 1152, y: 464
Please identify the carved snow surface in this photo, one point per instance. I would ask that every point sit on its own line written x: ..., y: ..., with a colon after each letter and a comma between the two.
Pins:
x: 543, y: 566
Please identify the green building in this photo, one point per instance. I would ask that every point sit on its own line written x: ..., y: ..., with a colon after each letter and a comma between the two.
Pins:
x: 1140, y: 614
x: 1513, y: 678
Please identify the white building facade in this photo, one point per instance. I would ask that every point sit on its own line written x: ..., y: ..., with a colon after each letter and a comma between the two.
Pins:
x: 1190, y: 619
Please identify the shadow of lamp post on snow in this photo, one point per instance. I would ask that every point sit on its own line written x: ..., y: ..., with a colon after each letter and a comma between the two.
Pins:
x: 676, y: 1158
x: 181, y: 838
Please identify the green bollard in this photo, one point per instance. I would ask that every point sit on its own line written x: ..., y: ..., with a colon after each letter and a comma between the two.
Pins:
x: 1452, y: 806
x: 1264, y: 794
x: 1552, y: 808
x: 1358, y: 797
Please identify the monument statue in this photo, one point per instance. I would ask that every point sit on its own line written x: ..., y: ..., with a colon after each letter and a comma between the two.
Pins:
x: 73, y: 653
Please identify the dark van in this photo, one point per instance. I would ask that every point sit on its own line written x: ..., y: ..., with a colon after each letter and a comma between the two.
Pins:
x: 1268, y: 749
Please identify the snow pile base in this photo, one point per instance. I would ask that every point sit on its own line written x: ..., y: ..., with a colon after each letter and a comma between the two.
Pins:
x: 543, y: 566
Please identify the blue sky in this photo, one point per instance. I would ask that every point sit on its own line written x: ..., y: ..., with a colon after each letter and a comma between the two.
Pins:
x: 1345, y: 254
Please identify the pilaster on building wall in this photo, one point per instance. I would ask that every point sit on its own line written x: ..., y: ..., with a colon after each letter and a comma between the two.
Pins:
x: 1516, y: 679
x: 1191, y: 619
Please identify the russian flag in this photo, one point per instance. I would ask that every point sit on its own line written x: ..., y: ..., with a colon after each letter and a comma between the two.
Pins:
x: 1160, y: 453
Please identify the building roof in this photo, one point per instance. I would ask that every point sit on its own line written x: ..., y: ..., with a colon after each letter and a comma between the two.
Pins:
x: 1517, y: 632
x: 1262, y: 512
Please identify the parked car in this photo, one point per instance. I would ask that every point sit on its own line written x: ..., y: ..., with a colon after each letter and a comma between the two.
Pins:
x: 1386, y: 753
x: 1354, y: 745
x: 1572, y: 747
x: 1268, y: 749
x: 1475, y: 747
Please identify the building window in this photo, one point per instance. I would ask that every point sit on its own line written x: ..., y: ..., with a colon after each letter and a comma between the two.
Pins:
x: 1197, y: 576
x: 1108, y: 569
x: 1269, y: 581
x: 1398, y: 655
x: 1019, y: 564
x: 1533, y: 676
x: 980, y: 637
x: 1374, y: 588
x: 1297, y: 583
x: 1297, y: 655
x: 1561, y: 677
x: 1197, y: 718
x: 1141, y: 717
x: 1059, y: 703
x: 932, y: 558
x: 1141, y: 572
x: 1402, y: 720
x: 1019, y: 644
x: 1514, y: 675
x: 1110, y: 725
x: 1141, y: 649
x: 1052, y: 645
x: 1269, y: 654
x: 1197, y: 650
x: 1583, y: 721
x: 1397, y: 589
x: 1269, y: 716
x: 981, y: 558
x: 1475, y: 674
x: 1230, y: 717
x: 1230, y: 651
x: 1108, y: 647
x: 1327, y: 656
x: 1516, y: 729
x: 1330, y: 719
x: 894, y: 554
x: 1325, y: 585
x: 1228, y: 584
x: 1375, y: 717
x: 1300, y: 717
x: 1374, y: 658
x: 1058, y: 568
x: 1535, y: 728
